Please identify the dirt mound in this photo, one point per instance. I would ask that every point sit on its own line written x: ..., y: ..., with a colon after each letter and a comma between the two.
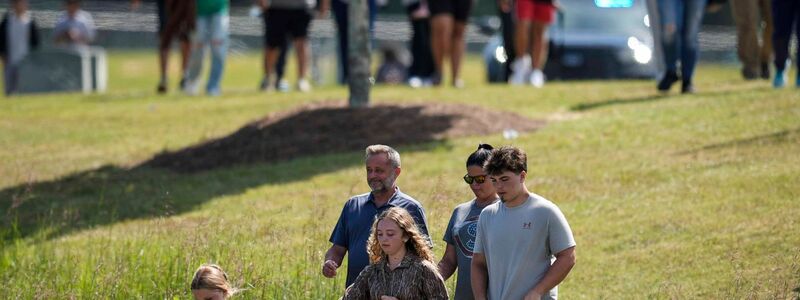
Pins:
x: 333, y: 127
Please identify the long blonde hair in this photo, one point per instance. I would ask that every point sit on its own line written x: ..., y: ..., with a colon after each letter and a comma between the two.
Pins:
x: 416, y: 243
x: 212, y: 277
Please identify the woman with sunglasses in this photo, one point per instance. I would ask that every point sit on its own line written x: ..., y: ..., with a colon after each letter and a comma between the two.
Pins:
x: 461, y: 230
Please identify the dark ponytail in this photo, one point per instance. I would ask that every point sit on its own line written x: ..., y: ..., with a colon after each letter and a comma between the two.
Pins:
x: 480, y: 156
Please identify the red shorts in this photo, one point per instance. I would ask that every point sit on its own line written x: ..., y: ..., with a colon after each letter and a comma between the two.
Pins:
x: 533, y: 10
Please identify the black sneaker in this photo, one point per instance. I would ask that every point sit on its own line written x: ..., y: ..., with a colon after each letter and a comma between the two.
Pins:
x: 161, y: 88
x: 436, y: 79
x: 666, y: 82
x: 687, y: 87
x: 264, y: 86
x: 765, y: 71
x: 750, y: 75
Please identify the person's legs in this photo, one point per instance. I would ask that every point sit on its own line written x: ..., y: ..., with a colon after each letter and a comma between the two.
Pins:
x: 11, y: 78
x: 298, y: 28
x: 181, y: 21
x: 783, y: 17
x: 461, y: 10
x: 765, y: 56
x: 276, y: 21
x: 796, y: 10
x: 690, y: 44
x: 507, y: 26
x: 219, y: 51
x: 199, y: 40
x: 745, y: 13
x: 521, y: 66
x: 522, y: 37
x: 457, y: 51
x: 162, y: 57
x: 163, y: 60
x: 340, y: 15
x: 270, y: 58
x: 526, y: 14
x: 302, y: 52
x: 441, y: 31
x: 163, y: 47
x: 418, y: 36
x: 6, y: 80
x: 539, y: 47
x: 280, y: 65
x: 671, y: 21
x: 186, y: 52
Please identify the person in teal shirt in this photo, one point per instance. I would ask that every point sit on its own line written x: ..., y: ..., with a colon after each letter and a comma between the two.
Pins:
x: 211, y: 31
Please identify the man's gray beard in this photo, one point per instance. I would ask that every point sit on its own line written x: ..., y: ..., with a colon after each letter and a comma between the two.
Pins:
x: 385, y: 184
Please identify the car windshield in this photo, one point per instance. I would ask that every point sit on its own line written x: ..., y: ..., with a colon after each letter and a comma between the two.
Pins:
x: 586, y: 15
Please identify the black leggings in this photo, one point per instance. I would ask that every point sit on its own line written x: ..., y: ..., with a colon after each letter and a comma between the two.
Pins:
x: 786, y: 18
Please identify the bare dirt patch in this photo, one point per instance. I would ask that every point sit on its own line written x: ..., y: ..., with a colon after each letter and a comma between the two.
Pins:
x: 332, y: 127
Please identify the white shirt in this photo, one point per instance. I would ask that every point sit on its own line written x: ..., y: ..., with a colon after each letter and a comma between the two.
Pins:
x: 18, y: 37
x: 82, y: 24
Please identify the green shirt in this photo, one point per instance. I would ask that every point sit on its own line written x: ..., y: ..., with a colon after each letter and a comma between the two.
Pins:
x: 210, y: 7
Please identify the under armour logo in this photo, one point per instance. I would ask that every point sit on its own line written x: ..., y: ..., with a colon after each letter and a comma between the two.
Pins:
x: 526, y: 225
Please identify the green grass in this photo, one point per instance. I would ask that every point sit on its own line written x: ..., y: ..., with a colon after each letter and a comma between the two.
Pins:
x: 668, y: 197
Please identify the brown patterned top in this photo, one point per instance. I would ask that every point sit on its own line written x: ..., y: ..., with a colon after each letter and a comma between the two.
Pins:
x: 414, y: 278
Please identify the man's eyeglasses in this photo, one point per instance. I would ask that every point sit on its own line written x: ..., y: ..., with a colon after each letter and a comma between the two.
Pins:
x: 479, y: 179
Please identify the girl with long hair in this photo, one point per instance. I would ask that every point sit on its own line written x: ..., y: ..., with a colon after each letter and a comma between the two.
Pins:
x: 401, y: 262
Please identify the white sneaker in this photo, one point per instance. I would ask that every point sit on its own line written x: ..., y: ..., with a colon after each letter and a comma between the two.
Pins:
x: 519, y: 70
x: 459, y: 83
x: 537, y: 78
x: 191, y: 88
x: 415, y: 82
x: 303, y: 85
x: 283, y: 85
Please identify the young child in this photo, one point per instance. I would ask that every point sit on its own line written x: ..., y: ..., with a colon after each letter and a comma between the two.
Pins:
x: 211, y: 283
x: 18, y: 37
x: 75, y: 27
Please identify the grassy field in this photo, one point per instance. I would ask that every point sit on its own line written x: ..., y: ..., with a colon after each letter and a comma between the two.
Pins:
x: 668, y: 197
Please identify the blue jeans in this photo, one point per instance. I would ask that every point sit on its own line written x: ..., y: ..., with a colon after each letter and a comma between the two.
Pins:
x: 210, y: 32
x: 11, y: 76
x: 680, y: 26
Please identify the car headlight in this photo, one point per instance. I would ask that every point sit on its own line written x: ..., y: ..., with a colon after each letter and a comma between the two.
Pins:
x: 641, y: 52
x: 500, y: 54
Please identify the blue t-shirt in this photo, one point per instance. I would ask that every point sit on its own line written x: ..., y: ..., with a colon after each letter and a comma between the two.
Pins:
x: 460, y: 233
x: 354, y: 225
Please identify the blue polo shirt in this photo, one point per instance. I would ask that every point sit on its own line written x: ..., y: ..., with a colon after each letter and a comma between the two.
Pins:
x: 354, y: 225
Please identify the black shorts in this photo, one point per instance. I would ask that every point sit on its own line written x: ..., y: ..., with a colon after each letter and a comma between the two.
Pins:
x: 281, y: 23
x: 184, y: 29
x: 459, y: 9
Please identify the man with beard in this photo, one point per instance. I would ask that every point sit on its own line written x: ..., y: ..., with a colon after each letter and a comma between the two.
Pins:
x: 353, y: 228
x: 524, y: 246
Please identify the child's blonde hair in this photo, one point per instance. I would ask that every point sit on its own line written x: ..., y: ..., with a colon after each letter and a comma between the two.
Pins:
x: 212, y: 277
x: 416, y: 243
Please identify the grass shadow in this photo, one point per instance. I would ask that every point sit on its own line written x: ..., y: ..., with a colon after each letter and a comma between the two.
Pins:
x: 636, y: 100
x: 594, y: 105
x: 776, y: 137
x: 283, y: 148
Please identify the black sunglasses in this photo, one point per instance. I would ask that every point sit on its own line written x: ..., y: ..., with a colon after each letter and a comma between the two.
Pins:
x: 479, y: 179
